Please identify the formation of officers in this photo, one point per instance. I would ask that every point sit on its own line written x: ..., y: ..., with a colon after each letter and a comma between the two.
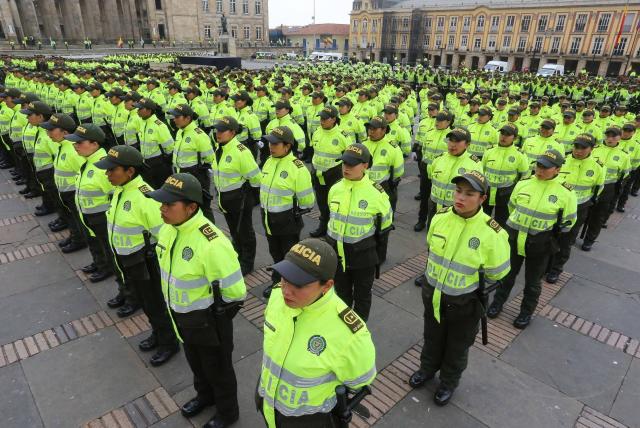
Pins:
x: 133, y: 164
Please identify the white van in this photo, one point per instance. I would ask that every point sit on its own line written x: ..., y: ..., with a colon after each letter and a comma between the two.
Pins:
x: 497, y: 66
x: 325, y: 56
x: 551, y: 70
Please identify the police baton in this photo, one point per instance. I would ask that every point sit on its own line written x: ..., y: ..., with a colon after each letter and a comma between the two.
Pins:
x: 217, y: 298
x: 345, y: 405
x: 483, y: 294
x: 148, y: 249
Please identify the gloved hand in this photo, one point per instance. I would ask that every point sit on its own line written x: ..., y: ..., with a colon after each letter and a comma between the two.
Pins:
x: 260, y: 144
x: 413, y: 156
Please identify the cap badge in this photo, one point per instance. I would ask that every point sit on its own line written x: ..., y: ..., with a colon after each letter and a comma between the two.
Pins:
x: 174, y: 182
x: 307, y: 253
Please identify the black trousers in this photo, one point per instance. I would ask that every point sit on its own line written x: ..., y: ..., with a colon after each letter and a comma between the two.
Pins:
x: 634, y: 178
x: 214, y: 377
x: 159, y: 169
x: 322, y: 196
x: 101, y: 251
x: 600, y: 212
x: 501, y: 209
x: 279, y: 245
x: 243, y: 236
x: 318, y: 420
x: 143, y: 280
x: 19, y: 154
x: 203, y: 177
x: 425, y: 192
x: 446, y: 343
x: 50, y: 199
x: 354, y: 288
x: 535, y: 266
x: 566, y: 240
x: 71, y: 216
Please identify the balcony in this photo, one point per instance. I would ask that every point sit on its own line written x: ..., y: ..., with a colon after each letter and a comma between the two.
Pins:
x: 508, y: 29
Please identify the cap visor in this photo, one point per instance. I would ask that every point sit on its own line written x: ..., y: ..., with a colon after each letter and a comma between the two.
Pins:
x: 26, y: 111
x: 351, y: 160
x: 163, y: 196
x: 138, y: 105
x: 582, y: 143
x: 546, y: 163
x: 106, y: 163
x: 472, y: 183
x: 48, y: 126
x: 293, y: 273
x: 273, y: 139
x: 75, y: 138
x: 174, y: 112
x: 323, y: 115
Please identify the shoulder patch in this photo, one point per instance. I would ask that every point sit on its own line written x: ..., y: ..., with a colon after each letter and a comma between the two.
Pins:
x: 199, y: 131
x: 443, y: 210
x: 494, y: 225
x: 599, y: 162
x: 144, y: 188
x: 242, y: 147
x: 298, y: 163
x: 208, y: 232
x: 393, y: 143
x: 475, y: 158
x: 379, y: 187
x: 351, y: 319
x: 158, y: 122
x: 567, y: 185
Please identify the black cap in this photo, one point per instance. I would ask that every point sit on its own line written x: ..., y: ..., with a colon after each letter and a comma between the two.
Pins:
x: 308, y: 261
x: 391, y: 109
x: 473, y: 101
x: 550, y: 159
x: 569, y: 113
x: 11, y: 92
x: 628, y: 127
x: 459, y: 134
x: 605, y: 108
x: 132, y: 96
x: 280, y: 134
x: 344, y: 102
x: 587, y: 113
x: 585, y: 140
x: 116, y: 92
x: 178, y: 187
x: 26, y: 98
x: 182, y: 110
x: 153, y: 82
x: 509, y: 129
x: 95, y: 85
x: 476, y: 179
x: 513, y: 111
x: 88, y: 131
x: 59, y: 120
x: 146, y: 103
x: 548, y: 124
x: 193, y: 90
x: 226, y: 123
x: 501, y: 101
x: 64, y: 81
x: 443, y: 115
x: 484, y: 111
x: 377, y: 122
x: 37, y: 107
x: 319, y: 94
x: 329, y: 112
x: 242, y: 96
x: 121, y: 156
x: 613, y: 130
x: 283, y: 104
x: 174, y: 85
x: 356, y: 154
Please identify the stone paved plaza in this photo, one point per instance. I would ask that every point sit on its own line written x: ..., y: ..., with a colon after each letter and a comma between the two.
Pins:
x: 67, y: 360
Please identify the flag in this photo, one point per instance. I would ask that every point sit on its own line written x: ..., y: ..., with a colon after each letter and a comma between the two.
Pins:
x: 624, y: 16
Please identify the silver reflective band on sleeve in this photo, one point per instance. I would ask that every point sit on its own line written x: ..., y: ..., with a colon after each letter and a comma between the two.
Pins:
x: 276, y: 192
x: 498, y: 269
x: 361, y: 379
x: 61, y: 173
x: 91, y: 193
x: 451, y: 265
x: 231, y: 279
x: 350, y: 239
x: 96, y: 209
x: 360, y: 221
x: 305, y: 192
x: 136, y: 230
x: 280, y: 208
x: 536, y: 214
x: 294, y: 380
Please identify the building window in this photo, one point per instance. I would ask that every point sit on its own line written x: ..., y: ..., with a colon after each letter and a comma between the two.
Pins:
x: 596, y: 49
x: 525, y: 23
x: 464, y: 41
x: 405, y: 22
x: 495, y: 22
x: 506, y: 42
x: 581, y: 22
x: 247, y: 32
x: 355, y: 25
x: 522, y: 44
x: 234, y: 31
x: 603, y: 22
x: 451, y: 42
x: 218, y: 6
x: 555, y: 44
x: 258, y: 7
x: 542, y: 23
x: 560, y: 22
x: 207, y: 31
x: 427, y: 24
x: 365, y: 24
x: 438, y: 41
x: 628, y: 22
x: 537, y: 47
x: 427, y: 41
x: 477, y: 43
x: 491, y: 45
x: 374, y: 26
x: 159, y: 4
x: 480, y: 23
x: 453, y: 23
x: 258, y: 33
x: 466, y: 23
x: 403, y: 41
x: 511, y: 21
x: 232, y: 6
x: 575, y: 45
x: 440, y: 24
x: 619, y: 49
x: 205, y: 6
x: 245, y: 7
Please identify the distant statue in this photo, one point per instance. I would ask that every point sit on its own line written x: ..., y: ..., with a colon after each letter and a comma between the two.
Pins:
x: 223, y: 23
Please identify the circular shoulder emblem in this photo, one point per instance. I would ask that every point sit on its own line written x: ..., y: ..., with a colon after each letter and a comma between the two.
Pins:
x: 383, y: 152
x: 316, y: 344
x: 150, y: 131
x: 187, y: 140
x: 90, y: 173
x: 474, y: 243
x: 187, y: 253
x: 335, y: 142
x: 616, y: 158
x: 589, y: 173
x: 461, y: 171
x: 228, y: 159
x: 284, y: 174
x: 553, y: 199
x: 126, y: 206
x: 63, y: 156
x: 363, y: 204
x: 512, y: 159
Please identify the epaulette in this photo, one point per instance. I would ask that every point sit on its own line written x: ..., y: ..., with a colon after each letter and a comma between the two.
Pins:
x: 599, y: 162
x: 443, y: 210
x: 494, y: 225
x: 351, y: 319
x: 298, y: 163
x: 158, y: 122
x: 208, y: 232
x: 379, y: 187
x: 475, y: 158
x: 441, y: 154
x: 199, y: 131
x: 567, y: 185
x: 393, y: 143
x: 144, y: 188
x: 242, y: 147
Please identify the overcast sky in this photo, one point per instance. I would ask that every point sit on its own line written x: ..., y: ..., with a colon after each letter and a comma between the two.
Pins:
x: 299, y: 12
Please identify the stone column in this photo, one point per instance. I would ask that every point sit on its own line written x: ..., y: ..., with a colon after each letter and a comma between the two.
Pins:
x: 112, y: 27
x: 92, y: 18
x: 29, y: 18
x: 131, y: 5
x: 49, y: 15
x: 602, y: 70
x: 455, y: 61
x: 526, y: 62
x: 8, y: 23
x: 72, y: 17
x: 582, y: 63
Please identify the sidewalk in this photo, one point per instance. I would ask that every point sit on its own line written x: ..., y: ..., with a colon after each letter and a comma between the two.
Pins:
x: 66, y: 360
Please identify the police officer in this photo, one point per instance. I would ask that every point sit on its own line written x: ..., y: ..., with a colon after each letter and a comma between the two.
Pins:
x: 360, y: 219
x: 462, y: 241
x: 133, y: 225
x: 251, y: 131
x: 533, y: 147
x: 202, y: 284
x: 313, y: 342
x: 483, y: 134
x: 156, y: 143
x: 93, y: 196
x: 586, y: 175
x: 328, y: 143
x: 283, y: 118
x: 541, y: 208
x: 193, y: 152
x: 504, y: 165
x: 616, y: 166
x: 285, y: 193
x: 118, y: 118
x: 236, y: 177
x: 629, y: 143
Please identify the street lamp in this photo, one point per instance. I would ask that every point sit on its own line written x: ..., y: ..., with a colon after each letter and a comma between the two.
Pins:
x: 441, y: 50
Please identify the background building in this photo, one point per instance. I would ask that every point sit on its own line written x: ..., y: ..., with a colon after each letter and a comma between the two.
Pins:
x: 527, y: 33
x: 316, y: 37
x: 109, y: 20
